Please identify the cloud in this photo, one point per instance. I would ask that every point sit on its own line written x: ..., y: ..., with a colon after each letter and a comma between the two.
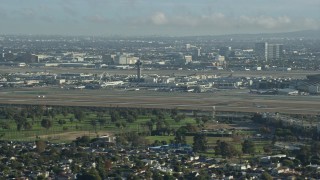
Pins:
x: 3, y: 12
x: 310, y: 23
x: 189, y: 20
x: 96, y: 4
x: 69, y: 11
x: 159, y: 18
x: 44, y: 8
x: 222, y: 23
x: 281, y: 23
x: 48, y: 19
x: 266, y: 22
x: 28, y: 13
x: 165, y: 16
x: 97, y: 19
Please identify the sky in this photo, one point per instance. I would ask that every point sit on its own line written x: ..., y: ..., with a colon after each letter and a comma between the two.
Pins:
x: 157, y: 17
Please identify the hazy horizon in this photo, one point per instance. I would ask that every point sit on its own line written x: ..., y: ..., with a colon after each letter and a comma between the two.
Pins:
x: 161, y: 18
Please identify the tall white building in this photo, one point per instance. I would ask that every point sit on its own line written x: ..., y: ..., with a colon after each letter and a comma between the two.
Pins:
x: 188, y: 46
x: 188, y: 59
x: 199, y: 52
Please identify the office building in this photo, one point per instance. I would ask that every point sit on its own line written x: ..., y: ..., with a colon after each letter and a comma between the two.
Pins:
x: 225, y: 51
x: 261, y: 50
x: 2, y: 53
x: 188, y: 46
x: 188, y: 59
x: 275, y: 52
x: 268, y: 52
x: 126, y: 59
x: 199, y: 52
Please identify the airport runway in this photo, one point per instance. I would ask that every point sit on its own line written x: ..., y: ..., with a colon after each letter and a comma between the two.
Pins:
x: 239, y: 100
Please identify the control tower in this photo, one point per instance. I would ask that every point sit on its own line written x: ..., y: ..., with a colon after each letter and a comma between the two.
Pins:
x: 213, y: 115
x: 139, y: 64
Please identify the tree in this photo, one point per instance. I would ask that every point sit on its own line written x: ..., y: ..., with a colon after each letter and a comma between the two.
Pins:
x: 150, y: 124
x: 64, y: 112
x: 20, y: 121
x: 5, y: 125
x: 134, y: 113
x: 108, y: 165
x: 27, y: 125
x: 41, y: 145
x: 200, y: 143
x: 205, y: 119
x: 102, y: 122
x: 2, y: 135
x: 161, y: 116
x: 71, y: 119
x: 203, y: 175
x: 100, y: 115
x: 287, y: 163
x: 93, y: 123
x: 156, y: 175
x: 191, y: 128
x: 304, y: 155
x: 195, y: 114
x: 177, y: 118
x: 198, y: 121
x: 79, y: 114
x: 82, y: 141
x: 130, y: 118
x: 265, y: 130
x: 225, y: 149
x: 114, y: 116
x: 57, y: 169
x: 92, y: 174
x: 166, y: 127
x: 159, y: 126
x: 135, y: 139
x: 267, y: 148
x: 266, y: 176
x: 248, y: 147
x: 168, y: 177
x: 41, y: 177
x: 315, y: 148
x: 8, y: 113
x: 52, y: 113
x: 62, y: 122
x: 174, y: 113
x: 258, y: 118
x: 177, y: 167
x: 121, y: 124
x: 100, y: 167
x: 180, y: 137
x: 46, y: 123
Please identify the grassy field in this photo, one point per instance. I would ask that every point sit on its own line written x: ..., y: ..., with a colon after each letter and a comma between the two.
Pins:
x: 74, y: 128
x: 83, y: 127
x: 51, y: 133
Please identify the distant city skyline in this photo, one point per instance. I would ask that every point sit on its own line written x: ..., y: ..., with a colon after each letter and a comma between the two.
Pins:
x: 165, y: 17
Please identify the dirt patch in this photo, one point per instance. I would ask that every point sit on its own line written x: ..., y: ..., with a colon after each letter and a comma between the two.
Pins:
x: 218, y: 126
x: 69, y: 136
